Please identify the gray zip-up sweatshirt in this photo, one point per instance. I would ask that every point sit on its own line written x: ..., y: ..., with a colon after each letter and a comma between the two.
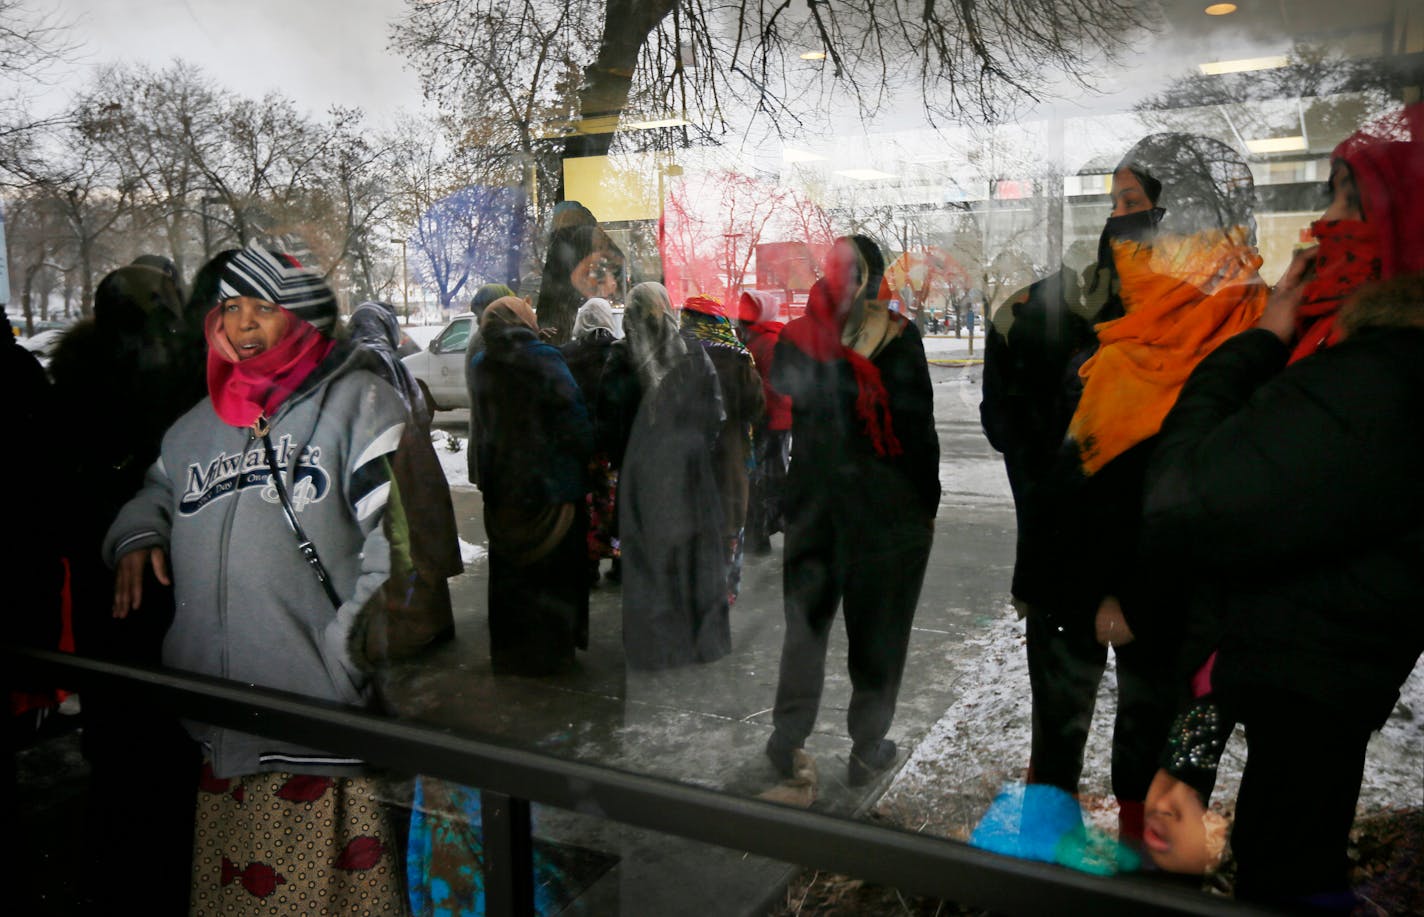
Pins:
x: 249, y: 608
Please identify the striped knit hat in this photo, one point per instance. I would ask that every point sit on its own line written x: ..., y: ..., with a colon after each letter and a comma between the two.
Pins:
x: 279, y: 278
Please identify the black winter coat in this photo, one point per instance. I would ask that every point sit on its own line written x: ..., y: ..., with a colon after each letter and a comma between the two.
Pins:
x: 831, y: 455
x: 1294, y: 501
x: 1031, y: 389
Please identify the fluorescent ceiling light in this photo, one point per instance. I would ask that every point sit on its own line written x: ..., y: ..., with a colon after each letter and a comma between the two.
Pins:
x: 1220, y: 9
x: 1276, y: 144
x: 864, y: 174
x: 814, y: 55
x: 1243, y: 65
x: 790, y: 154
x: 655, y: 123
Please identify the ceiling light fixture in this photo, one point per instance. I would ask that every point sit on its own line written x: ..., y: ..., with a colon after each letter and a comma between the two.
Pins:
x: 1220, y: 9
x: 656, y: 123
x: 864, y: 174
x: 790, y: 154
x: 814, y: 55
x: 1243, y: 65
x: 1276, y: 144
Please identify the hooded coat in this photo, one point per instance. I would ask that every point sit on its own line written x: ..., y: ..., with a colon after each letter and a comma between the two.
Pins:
x: 248, y: 606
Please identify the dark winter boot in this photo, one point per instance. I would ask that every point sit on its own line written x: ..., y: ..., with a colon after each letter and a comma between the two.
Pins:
x: 868, y: 760
x: 782, y: 755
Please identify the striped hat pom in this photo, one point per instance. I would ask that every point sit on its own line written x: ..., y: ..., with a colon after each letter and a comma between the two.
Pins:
x: 280, y: 279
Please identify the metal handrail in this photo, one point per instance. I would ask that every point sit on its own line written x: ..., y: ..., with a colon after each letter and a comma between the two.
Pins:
x: 910, y: 862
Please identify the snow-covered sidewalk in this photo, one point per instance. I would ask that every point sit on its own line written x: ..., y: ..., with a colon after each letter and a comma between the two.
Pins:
x: 982, y: 741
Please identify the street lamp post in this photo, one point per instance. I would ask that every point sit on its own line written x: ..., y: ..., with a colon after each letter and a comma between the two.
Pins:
x: 405, y: 284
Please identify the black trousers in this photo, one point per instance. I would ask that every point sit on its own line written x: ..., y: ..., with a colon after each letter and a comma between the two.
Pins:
x: 1297, y: 802
x: 1064, y: 669
x: 871, y: 559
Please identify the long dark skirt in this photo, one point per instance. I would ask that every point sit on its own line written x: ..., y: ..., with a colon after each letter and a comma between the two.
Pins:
x: 538, y: 612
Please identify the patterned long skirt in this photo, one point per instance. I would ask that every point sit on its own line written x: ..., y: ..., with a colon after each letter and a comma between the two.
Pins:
x: 298, y: 844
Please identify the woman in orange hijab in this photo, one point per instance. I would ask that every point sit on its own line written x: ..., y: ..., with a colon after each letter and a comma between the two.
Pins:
x: 1177, y: 251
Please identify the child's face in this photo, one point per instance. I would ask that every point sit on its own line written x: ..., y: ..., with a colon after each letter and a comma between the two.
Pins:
x: 1173, y: 832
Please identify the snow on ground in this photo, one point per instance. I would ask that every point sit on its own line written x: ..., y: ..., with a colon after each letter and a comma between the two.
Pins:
x: 472, y: 553
x: 947, y: 346
x: 451, y: 448
x: 982, y: 741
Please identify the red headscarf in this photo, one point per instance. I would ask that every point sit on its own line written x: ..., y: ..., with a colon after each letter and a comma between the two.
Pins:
x: 818, y: 335
x: 1386, y: 160
x: 243, y: 390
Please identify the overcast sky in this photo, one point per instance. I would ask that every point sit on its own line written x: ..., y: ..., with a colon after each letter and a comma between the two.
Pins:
x: 318, y: 52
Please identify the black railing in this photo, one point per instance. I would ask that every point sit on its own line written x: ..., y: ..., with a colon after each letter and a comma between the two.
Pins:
x: 510, y: 778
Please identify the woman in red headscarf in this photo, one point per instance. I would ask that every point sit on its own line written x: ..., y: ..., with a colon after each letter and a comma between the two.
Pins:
x: 1290, y: 497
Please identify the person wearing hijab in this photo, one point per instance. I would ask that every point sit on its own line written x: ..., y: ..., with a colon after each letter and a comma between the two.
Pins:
x: 675, y: 607
x: 583, y: 263
x: 296, y: 433
x: 861, y: 498
x: 475, y: 345
x: 412, y: 610
x: 534, y: 446
x: 1286, y: 489
x: 759, y: 328
x: 587, y: 356
x: 704, y: 323
x: 1178, y: 253
x: 122, y: 378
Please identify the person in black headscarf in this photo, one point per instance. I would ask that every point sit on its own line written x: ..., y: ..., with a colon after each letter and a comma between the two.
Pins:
x: 583, y: 263
x: 120, y: 380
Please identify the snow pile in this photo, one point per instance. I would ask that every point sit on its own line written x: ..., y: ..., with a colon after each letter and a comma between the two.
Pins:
x: 451, y: 448
x: 982, y: 742
x: 472, y: 553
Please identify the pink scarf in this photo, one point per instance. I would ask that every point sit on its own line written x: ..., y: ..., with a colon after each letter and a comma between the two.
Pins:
x: 243, y: 390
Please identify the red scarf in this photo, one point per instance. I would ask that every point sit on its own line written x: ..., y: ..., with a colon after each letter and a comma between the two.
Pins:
x: 1347, y: 259
x: 819, y: 337
x: 243, y: 390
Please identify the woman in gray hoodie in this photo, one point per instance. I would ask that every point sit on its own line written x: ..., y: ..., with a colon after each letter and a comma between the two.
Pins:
x: 297, y: 434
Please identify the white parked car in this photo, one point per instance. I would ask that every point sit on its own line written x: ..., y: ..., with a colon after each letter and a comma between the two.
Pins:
x: 441, y: 366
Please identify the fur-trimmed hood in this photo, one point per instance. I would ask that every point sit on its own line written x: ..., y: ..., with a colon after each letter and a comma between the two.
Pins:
x: 1394, y: 303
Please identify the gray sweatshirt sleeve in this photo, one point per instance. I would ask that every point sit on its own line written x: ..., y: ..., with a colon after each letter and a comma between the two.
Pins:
x: 146, y: 520
x: 376, y: 432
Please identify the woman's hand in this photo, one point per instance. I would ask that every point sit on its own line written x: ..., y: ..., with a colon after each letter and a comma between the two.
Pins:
x: 1110, y: 627
x: 128, y: 578
x: 1281, y: 306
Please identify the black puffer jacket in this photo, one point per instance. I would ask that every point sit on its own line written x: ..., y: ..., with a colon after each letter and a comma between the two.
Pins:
x: 1292, y: 501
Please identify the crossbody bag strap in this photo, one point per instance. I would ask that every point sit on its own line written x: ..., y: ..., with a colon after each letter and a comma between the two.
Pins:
x: 304, y: 544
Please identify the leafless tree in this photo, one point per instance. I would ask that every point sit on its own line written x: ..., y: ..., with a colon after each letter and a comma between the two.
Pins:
x: 548, y: 60
x: 32, y: 46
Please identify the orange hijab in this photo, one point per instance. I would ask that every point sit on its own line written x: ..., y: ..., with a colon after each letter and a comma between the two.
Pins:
x: 1183, y: 295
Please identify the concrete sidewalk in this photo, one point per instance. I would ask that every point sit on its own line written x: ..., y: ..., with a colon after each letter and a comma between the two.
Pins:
x: 707, y: 725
